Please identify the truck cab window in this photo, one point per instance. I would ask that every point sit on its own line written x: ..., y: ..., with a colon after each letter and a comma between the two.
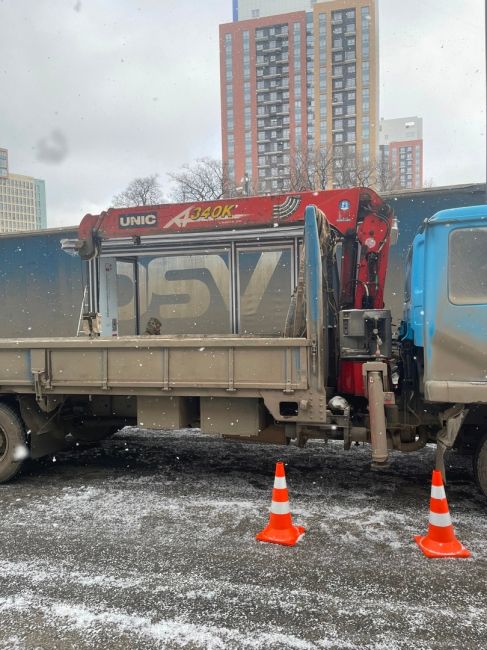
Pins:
x: 467, y: 266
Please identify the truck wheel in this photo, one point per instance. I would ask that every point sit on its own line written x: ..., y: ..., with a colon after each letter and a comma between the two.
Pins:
x: 12, y: 443
x: 480, y: 465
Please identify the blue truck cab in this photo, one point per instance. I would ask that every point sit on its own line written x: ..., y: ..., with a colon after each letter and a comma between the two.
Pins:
x: 445, y: 314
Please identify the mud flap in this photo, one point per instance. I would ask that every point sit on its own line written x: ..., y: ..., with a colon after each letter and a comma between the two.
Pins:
x: 46, y: 435
x: 452, y: 420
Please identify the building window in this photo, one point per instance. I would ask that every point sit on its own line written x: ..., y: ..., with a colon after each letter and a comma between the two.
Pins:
x: 365, y: 72
x: 229, y: 96
x: 255, y: 13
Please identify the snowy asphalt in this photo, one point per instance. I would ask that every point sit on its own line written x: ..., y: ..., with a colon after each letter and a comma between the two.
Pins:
x: 147, y: 541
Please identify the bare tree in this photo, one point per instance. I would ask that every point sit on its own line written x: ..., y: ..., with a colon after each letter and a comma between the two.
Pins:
x: 323, y: 166
x: 141, y: 191
x: 310, y: 170
x: 386, y: 179
x: 206, y: 179
x: 318, y: 169
x: 351, y: 170
x: 300, y: 170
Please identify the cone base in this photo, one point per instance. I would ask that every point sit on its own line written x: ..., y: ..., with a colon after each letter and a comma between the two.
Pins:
x: 285, y: 536
x: 438, y: 549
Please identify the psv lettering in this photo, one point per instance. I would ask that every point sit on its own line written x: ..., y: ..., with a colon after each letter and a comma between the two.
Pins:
x: 217, y: 212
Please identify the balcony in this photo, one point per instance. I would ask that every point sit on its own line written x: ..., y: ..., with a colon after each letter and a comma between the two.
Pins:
x: 269, y: 49
x: 271, y: 75
x: 270, y: 102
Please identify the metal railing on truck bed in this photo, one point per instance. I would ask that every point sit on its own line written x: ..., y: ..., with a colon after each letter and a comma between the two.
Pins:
x: 148, y: 365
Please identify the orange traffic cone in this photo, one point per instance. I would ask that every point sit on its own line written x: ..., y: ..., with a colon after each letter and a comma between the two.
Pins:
x: 280, y: 529
x: 440, y: 540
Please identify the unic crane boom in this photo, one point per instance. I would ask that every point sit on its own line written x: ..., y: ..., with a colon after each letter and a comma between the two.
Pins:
x: 361, y: 220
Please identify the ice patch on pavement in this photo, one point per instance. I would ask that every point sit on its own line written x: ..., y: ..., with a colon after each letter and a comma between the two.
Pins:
x: 177, y: 633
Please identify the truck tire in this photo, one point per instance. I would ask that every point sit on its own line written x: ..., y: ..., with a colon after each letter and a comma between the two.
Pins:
x: 480, y: 465
x: 12, y: 443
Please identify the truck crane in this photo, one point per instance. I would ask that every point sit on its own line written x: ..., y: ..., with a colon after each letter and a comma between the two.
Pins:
x: 273, y: 328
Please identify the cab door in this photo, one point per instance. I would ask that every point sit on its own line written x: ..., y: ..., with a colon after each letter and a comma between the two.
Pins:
x: 455, y: 313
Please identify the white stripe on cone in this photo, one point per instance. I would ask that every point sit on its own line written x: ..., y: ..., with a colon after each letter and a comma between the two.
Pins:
x: 280, y: 482
x: 441, y: 520
x: 438, y: 492
x: 280, y: 507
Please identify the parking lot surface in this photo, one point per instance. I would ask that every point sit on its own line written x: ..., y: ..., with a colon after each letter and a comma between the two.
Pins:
x: 148, y: 541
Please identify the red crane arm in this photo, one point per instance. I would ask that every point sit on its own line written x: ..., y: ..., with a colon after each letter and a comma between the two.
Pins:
x: 359, y: 216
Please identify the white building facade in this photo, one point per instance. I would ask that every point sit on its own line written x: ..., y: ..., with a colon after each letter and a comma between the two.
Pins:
x: 22, y: 200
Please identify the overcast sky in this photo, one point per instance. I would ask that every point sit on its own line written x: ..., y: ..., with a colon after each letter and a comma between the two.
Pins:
x: 96, y: 92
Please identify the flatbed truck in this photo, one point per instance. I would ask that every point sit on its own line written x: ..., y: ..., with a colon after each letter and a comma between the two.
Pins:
x: 326, y: 367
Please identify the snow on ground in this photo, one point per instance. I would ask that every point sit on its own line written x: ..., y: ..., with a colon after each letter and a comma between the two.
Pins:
x: 147, y: 541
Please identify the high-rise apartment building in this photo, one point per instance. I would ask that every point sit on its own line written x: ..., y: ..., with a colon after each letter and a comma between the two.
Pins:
x: 298, y: 85
x: 22, y: 200
x: 401, y: 151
